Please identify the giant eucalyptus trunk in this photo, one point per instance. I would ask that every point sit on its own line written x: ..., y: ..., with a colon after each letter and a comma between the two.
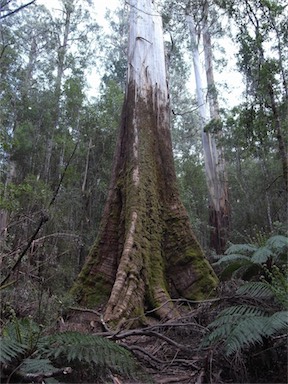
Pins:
x: 146, y: 252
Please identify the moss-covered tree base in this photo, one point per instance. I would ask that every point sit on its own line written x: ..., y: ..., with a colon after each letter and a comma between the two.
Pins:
x: 145, y: 252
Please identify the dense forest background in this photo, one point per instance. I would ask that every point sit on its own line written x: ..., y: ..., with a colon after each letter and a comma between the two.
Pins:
x: 57, y: 138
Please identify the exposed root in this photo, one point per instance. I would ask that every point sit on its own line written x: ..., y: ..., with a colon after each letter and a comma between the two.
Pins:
x: 128, y: 287
x: 166, y: 309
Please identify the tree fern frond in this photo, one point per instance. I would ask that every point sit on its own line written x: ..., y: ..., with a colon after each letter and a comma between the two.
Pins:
x: 256, y: 290
x: 278, y: 243
x: 10, y: 349
x: 233, y: 257
x: 277, y: 323
x: 248, y: 332
x: 262, y: 255
x: 228, y: 319
x: 218, y: 334
x: 243, y: 249
x: 36, y: 366
x: 241, y: 310
x: 244, y: 326
x: 231, y: 269
x: 90, y: 348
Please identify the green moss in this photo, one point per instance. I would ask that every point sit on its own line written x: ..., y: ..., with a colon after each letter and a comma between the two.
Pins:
x: 91, y: 291
x: 202, y: 289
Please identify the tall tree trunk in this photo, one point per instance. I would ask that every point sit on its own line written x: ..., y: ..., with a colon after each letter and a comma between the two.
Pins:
x: 68, y: 6
x: 213, y: 157
x: 219, y: 217
x: 279, y: 135
x: 4, y: 215
x: 146, y: 251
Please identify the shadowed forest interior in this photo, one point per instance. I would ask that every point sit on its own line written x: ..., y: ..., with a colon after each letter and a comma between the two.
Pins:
x: 143, y: 191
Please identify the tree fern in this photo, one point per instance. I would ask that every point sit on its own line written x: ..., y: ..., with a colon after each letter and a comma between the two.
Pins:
x: 241, y: 326
x: 26, y: 350
x: 247, y: 260
x: 244, y: 326
x: 89, y: 348
x: 279, y: 244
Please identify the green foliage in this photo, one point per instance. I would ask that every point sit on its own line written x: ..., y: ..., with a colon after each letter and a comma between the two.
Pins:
x: 248, y: 260
x: 214, y: 126
x: 26, y: 348
x: 10, y: 349
x: 91, y: 349
x: 32, y: 194
x: 247, y: 325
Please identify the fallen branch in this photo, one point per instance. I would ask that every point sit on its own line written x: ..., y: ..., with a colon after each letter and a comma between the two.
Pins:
x: 174, y: 362
x: 144, y: 332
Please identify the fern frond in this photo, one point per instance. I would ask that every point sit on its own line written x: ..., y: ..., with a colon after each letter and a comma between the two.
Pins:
x: 232, y: 258
x: 243, y: 249
x: 231, y: 269
x: 277, y: 323
x: 36, y: 366
x: 10, y: 349
x: 248, y: 332
x: 262, y: 255
x: 25, y: 331
x: 218, y: 334
x: 256, y: 290
x: 278, y: 243
x: 253, y: 330
x: 92, y: 349
x: 245, y: 326
x: 237, y: 311
x: 228, y: 319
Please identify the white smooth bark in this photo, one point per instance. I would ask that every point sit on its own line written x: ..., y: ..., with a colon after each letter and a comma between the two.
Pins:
x: 220, y: 186
x: 209, y: 147
x: 146, y: 56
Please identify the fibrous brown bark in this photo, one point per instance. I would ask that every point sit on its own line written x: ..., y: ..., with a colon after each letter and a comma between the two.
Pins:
x: 146, y: 251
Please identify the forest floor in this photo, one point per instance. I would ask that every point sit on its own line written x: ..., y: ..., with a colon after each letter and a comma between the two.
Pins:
x: 168, y: 352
